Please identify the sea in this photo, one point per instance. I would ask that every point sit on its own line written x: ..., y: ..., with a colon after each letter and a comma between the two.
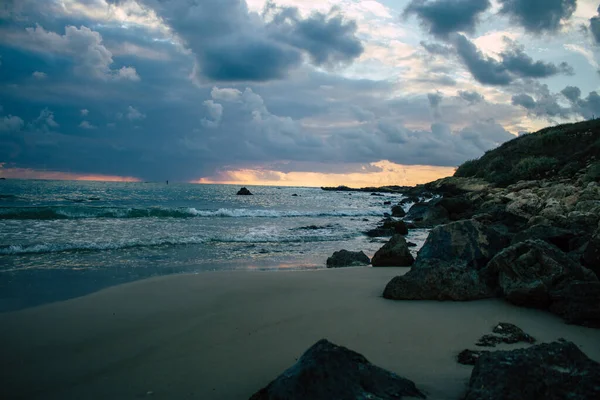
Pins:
x: 64, y: 239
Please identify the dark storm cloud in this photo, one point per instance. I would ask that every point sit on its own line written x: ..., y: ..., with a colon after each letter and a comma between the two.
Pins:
x: 539, y: 16
x: 595, y: 27
x: 328, y: 39
x: 470, y: 97
x: 572, y: 93
x: 514, y: 64
x: 443, y: 17
x: 231, y: 43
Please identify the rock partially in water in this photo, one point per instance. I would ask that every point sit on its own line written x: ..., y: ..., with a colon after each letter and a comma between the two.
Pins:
x: 394, y: 253
x: 244, y: 192
x: 438, y: 282
x: 326, y: 372
x: 398, y: 211
x: 345, y: 258
x: 555, y: 371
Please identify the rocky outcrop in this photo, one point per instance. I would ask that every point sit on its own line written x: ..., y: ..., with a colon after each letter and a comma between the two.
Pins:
x: 557, y: 370
x: 244, y: 192
x: 427, y: 214
x: 564, y: 239
x: 577, y: 303
x: 326, y: 371
x: 468, y: 243
x: 394, y: 253
x: 526, y: 272
x: 438, y: 283
x: 388, y: 227
x: 398, y: 211
x: 469, y: 357
x: 505, y: 333
x: 345, y: 258
x: 591, y: 256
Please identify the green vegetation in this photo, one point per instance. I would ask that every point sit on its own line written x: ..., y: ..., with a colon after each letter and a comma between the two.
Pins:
x: 560, y: 151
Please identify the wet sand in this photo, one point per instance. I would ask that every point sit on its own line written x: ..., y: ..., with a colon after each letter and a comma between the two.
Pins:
x: 224, y: 335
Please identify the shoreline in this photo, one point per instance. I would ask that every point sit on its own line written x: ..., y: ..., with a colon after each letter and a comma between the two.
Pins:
x: 226, y: 334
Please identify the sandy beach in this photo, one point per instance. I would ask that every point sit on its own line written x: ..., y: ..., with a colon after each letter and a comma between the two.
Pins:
x: 224, y: 335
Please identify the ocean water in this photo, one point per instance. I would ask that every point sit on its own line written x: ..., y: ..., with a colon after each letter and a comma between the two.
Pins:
x: 62, y: 239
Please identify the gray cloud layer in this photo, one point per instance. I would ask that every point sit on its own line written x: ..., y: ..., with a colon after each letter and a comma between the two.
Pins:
x: 539, y: 16
x: 443, y: 17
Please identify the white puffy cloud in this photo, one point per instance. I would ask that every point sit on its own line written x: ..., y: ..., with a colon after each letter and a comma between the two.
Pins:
x: 215, y: 110
x: 11, y: 123
x: 87, y: 125
x: 39, y: 75
x: 134, y: 114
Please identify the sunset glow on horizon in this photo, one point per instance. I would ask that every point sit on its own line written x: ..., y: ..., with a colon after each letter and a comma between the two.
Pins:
x: 26, y: 173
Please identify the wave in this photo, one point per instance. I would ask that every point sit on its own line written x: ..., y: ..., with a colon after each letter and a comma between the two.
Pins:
x: 81, y: 212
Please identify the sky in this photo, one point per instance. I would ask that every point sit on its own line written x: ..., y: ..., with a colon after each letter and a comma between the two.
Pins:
x: 288, y: 92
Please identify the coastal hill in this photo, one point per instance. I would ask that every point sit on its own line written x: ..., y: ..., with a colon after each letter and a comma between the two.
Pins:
x: 562, y: 151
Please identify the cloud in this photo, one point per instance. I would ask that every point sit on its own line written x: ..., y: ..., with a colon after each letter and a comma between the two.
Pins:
x: 546, y: 105
x: 595, y: 27
x: 572, y: 93
x: 231, y: 44
x: 436, y: 48
x: 470, y: 97
x: 539, y: 16
x: 11, y: 123
x: 328, y: 38
x: 87, y: 125
x: 225, y: 94
x: 435, y: 99
x: 524, y: 100
x: 514, y: 63
x: 215, y: 110
x: 443, y: 17
x: 39, y: 75
x: 84, y: 112
x: 134, y: 115
x: 92, y: 58
x: 44, y: 122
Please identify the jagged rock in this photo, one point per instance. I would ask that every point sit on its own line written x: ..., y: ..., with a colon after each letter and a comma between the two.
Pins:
x: 397, y: 226
x: 398, y: 211
x: 438, y: 283
x: 524, y: 204
x: 559, y: 237
x: 326, y: 371
x: 458, y: 207
x: 394, y: 253
x: 526, y: 272
x: 578, y: 303
x: 244, y: 192
x: 380, y: 232
x: 557, y: 371
x: 469, y: 242
x: 345, y: 258
x: 505, y: 333
x: 469, y: 357
x: 427, y: 214
x: 591, y: 256
x: 387, y: 203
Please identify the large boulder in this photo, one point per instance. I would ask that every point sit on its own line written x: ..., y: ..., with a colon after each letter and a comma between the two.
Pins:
x: 427, y: 214
x: 345, y: 258
x: 398, y: 211
x: 559, y: 237
x: 525, y: 203
x: 326, y: 372
x: 578, y: 303
x: 469, y: 243
x: 591, y: 256
x: 399, y: 226
x: 526, y: 272
x: 394, y: 253
x: 244, y: 192
x: 557, y: 371
x: 438, y: 283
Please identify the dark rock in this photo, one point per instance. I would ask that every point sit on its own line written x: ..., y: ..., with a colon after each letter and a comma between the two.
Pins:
x: 380, y: 232
x: 554, y: 371
x: 294, y: 195
x: 428, y: 214
x: 559, y: 237
x: 469, y: 357
x: 469, y: 242
x: 591, y: 256
x: 408, y: 200
x: 578, y: 303
x: 345, y: 258
x: 438, y: 283
x: 397, y: 226
x: 505, y: 333
x: 377, y: 194
x: 526, y: 272
x: 457, y: 207
x: 387, y: 203
x: 394, y: 253
x: 326, y: 372
x: 411, y: 244
x: 244, y: 192
x: 365, y: 220
x: 398, y: 211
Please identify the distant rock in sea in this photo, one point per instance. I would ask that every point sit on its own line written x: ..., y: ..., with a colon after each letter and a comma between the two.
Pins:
x: 244, y: 192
